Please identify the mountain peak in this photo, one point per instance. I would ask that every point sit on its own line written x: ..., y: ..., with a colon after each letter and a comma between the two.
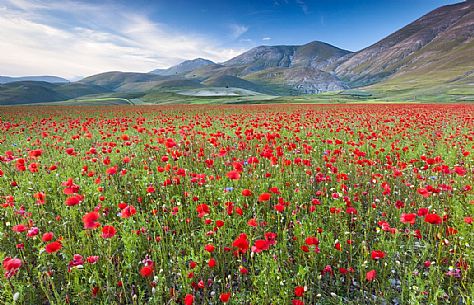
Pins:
x: 315, y: 54
x: 184, y: 67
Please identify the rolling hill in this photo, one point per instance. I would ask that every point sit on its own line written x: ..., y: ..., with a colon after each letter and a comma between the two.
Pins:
x: 49, y: 79
x: 31, y: 92
x: 115, y: 79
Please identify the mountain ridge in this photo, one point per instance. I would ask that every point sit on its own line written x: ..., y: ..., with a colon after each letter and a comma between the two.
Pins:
x: 41, y: 78
x: 433, y: 55
x: 183, y: 67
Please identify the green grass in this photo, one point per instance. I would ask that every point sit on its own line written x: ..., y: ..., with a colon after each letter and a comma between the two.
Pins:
x: 92, y: 102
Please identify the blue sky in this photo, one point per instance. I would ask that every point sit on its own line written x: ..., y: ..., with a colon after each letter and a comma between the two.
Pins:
x: 78, y: 38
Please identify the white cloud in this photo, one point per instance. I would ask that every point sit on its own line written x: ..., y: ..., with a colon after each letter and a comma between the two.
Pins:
x: 71, y: 39
x: 237, y: 30
x: 303, y: 6
x: 266, y: 38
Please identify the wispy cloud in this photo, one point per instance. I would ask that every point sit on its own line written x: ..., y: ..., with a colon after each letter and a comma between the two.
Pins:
x: 303, y: 6
x: 69, y: 39
x: 237, y: 30
x: 266, y: 38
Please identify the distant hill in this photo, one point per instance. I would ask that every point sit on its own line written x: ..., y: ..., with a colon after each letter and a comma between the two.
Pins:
x: 49, y: 79
x: 29, y: 92
x: 115, y: 79
x: 184, y: 67
x: 229, y: 81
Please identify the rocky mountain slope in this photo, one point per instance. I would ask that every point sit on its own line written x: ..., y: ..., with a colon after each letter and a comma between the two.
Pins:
x: 302, y: 69
x: 185, y: 66
x: 432, y: 39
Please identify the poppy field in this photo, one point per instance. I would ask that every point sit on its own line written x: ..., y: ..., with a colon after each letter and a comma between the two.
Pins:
x: 250, y: 204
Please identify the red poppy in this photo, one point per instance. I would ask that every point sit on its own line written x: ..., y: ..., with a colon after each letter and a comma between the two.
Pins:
x: 108, y: 232
x: 299, y: 291
x: 377, y: 254
x: 233, y: 175
x: 202, y: 210
x: 111, y: 170
x: 424, y: 192
x: 423, y: 211
x: 264, y: 197
x: 11, y: 266
x: 252, y: 222
x: 89, y: 220
x: 209, y: 248
x: 461, y: 171
x: 243, y: 270
x: 128, y: 211
x: 260, y: 245
x: 77, y: 260
x: 311, y: 241
x: 252, y: 160
x: 433, y: 219
x: 146, y: 271
x: 40, y: 198
x: 451, y: 231
x: 274, y: 190
x: 246, y: 193
x: 53, y: 247
x: 242, y: 243
x: 279, y: 208
x: 74, y: 200
x: 47, y: 236
x: 408, y: 218
x: 35, y: 153
x: 270, y: 237
x: 70, y: 151
x: 92, y: 259
x: 19, y: 228
x: 189, y: 299
x: 370, y: 276
x: 95, y: 291
x: 224, y: 297
x: 32, y: 232
x: 211, y: 263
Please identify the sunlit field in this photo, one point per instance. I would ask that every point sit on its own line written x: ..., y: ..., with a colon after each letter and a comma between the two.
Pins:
x: 254, y: 204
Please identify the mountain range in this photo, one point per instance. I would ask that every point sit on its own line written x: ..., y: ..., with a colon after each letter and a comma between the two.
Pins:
x: 432, y: 56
